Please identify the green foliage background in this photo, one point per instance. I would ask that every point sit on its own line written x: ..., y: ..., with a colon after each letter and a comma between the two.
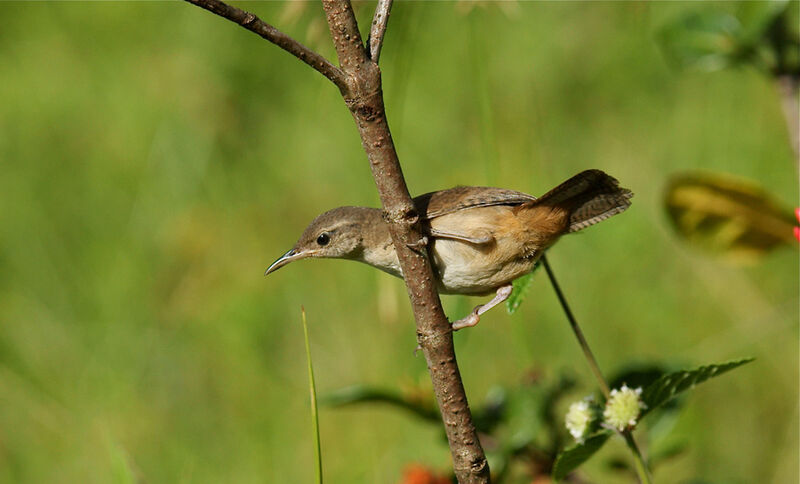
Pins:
x: 155, y: 159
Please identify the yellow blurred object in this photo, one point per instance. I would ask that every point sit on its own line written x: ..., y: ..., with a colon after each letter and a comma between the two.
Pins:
x: 731, y: 216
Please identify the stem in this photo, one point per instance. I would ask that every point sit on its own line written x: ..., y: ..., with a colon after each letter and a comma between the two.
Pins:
x: 577, y: 330
x: 639, y: 462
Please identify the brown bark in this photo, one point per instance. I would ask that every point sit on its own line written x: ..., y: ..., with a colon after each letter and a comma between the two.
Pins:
x: 378, y: 28
x: 361, y: 88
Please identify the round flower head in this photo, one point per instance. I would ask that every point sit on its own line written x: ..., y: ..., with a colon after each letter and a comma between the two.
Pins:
x: 580, y: 417
x: 623, y: 408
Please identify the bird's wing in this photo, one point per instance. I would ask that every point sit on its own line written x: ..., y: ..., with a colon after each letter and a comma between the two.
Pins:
x: 436, y: 204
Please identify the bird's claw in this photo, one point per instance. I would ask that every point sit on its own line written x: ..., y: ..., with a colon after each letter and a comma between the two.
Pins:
x: 419, y: 245
x: 469, y: 321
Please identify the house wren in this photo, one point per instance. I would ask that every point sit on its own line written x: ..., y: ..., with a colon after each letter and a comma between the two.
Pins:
x: 480, y: 239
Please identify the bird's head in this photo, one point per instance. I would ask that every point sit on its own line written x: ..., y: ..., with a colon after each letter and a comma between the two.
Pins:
x: 336, y: 233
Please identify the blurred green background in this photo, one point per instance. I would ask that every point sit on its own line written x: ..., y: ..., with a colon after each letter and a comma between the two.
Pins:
x: 156, y: 158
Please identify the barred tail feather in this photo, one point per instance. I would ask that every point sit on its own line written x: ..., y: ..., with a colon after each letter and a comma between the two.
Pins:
x: 589, y: 197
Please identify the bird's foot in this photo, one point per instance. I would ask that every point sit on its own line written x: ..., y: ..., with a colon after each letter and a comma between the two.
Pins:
x: 475, y: 316
x: 418, y: 246
x: 471, y: 320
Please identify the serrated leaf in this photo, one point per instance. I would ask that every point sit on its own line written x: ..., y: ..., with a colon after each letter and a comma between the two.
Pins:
x: 668, y: 386
x: 640, y: 374
x: 706, y: 40
x: 521, y: 285
x: 569, y: 459
x: 730, y: 216
x: 359, y: 394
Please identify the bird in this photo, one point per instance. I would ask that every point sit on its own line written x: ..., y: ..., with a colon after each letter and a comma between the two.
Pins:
x: 480, y: 239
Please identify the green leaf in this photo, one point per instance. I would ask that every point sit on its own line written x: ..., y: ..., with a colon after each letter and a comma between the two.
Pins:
x: 706, y: 40
x: 521, y: 285
x: 569, y: 459
x: 757, y: 17
x: 729, y: 216
x: 668, y: 386
x: 637, y: 374
x: 422, y: 406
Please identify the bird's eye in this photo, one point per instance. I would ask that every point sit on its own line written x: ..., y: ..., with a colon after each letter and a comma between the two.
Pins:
x: 323, y: 238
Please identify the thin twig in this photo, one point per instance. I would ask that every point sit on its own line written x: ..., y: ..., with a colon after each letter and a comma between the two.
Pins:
x: 267, y: 31
x: 577, y: 330
x: 378, y: 30
x: 641, y: 467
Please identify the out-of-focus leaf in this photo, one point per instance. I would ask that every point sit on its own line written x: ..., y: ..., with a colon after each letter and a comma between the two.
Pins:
x: 666, y: 387
x: 525, y: 414
x: 521, y: 285
x: 358, y: 394
x: 660, y: 455
x: 706, y: 40
x: 574, y: 456
x: 729, y: 216
x: 618, y: 464
x: 757, y: 17
x: 492, y: 412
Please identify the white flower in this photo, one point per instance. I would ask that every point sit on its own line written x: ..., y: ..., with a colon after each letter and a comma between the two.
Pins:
x: 580, y: 417
x: 623, y: 408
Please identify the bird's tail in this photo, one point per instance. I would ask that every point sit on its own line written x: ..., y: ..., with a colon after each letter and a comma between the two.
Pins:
x: 587, y: 198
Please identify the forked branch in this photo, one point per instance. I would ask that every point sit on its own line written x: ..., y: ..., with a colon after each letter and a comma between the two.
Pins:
x: 359, y: 80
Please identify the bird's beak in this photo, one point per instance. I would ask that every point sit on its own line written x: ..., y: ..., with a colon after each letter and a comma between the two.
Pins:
x: 291, y: 255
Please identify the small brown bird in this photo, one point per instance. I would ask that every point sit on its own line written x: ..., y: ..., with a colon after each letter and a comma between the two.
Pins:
x: 480, y: 238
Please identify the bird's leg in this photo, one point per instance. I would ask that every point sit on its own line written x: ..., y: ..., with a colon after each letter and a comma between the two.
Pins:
x: 502, y: 294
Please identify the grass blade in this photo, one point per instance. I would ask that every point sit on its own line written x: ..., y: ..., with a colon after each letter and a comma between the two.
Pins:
x: 312, y: 388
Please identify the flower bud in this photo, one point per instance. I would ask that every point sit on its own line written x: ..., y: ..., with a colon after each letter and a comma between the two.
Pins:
x: 623, y: 408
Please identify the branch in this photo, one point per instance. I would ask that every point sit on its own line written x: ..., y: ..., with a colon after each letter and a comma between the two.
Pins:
x: 344, y: 32
x: 359, y: 80
x: 434, y: 333
x: 267, y: 31
x: 378, y: 30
